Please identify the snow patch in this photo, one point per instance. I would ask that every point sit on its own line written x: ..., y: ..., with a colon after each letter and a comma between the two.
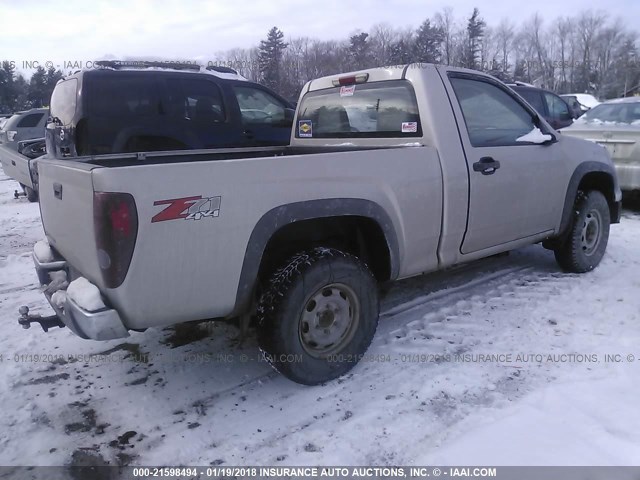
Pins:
x: 59, y: 298
x: 85, y: 294
x: 43, y: 251
x: 534, y: 136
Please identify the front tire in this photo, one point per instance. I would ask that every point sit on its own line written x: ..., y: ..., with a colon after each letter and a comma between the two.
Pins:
x: 588, y: 236
x: 318, y: 316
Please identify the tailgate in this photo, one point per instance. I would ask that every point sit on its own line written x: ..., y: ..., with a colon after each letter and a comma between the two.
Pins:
x: 66, y: 206
x: 15, y: 165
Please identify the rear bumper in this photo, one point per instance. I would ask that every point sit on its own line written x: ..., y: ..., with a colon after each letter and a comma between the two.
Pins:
x: 103, y: 324
x: 628, y: 176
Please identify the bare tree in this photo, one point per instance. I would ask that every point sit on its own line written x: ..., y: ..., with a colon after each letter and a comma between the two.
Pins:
x: 562, y: 29
x: 445, y: 21
x: 504, y: 35
x: 588, y: 28
x: 586, y: 52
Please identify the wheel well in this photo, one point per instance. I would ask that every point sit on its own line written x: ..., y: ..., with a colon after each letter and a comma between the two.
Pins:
x: 360, y: 236
x: 602, y: 182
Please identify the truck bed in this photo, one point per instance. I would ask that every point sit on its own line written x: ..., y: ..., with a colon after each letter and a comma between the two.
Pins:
x: 247, y: 185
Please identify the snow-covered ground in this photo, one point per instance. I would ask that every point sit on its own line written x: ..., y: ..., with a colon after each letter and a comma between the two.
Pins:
x: 430, y: 392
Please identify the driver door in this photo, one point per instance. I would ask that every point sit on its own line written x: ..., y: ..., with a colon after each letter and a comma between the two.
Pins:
x: 516, y: 186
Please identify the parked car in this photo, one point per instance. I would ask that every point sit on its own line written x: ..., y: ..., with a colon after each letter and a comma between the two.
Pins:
x: 445, y: 166
x: 615, y: 124
x: 581, y: 102
x: 553, y: 108
x: 21, y: 129
x: 23, y: 126
x: 3, y: 119
x: 151, y: 106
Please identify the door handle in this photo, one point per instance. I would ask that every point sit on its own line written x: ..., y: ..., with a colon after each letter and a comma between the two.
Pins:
x: 486, y: 166
x: 13, y: 162
x: 248, y: 133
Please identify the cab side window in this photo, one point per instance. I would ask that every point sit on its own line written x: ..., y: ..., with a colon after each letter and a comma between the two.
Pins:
x: 258, y: 107
x: 492, y: 116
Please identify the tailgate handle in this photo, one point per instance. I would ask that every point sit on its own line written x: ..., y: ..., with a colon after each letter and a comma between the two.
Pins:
x: 57, y: 190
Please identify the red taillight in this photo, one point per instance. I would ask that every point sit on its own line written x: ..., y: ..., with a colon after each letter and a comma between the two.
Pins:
x: 347, y: 80
x: 116, y: 228
x: 351, y: 80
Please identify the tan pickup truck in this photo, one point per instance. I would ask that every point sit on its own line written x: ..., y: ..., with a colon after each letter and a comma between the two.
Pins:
x: 390, y: 173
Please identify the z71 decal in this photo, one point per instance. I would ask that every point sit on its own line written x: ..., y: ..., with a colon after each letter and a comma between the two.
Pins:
x: 188, y: 208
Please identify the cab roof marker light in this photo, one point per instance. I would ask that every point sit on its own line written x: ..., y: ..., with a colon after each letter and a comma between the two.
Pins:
x: 350, y: 80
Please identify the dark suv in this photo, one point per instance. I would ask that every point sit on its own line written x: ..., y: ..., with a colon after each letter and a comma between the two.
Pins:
x: 549, y: 105
x: 146, y: 106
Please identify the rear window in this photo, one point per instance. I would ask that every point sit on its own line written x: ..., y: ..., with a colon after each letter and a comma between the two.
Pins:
x: 31, y: 120
x: 63, y: 101
x: 375, y: 110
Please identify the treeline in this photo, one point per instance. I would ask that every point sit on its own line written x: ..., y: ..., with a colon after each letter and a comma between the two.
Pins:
x: 588, y: 53
x: 16, y: 93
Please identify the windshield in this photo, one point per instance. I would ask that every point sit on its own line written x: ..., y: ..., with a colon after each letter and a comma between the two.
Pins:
x: 381, y: 109
x: 613, y: 113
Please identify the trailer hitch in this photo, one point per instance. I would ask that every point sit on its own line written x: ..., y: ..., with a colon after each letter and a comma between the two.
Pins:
x: 45, y: 322
x: 17, y: 194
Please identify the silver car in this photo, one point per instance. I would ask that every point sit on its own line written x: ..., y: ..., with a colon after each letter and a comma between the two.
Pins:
x: 616, y: 126
x: 23, y: 126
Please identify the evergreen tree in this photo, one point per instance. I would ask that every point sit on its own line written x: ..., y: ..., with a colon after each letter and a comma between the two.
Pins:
x: 426, y: 47
x: 475, y: 34
x: 8, y: 93
x: 401, y: 53
x: 38, y: 88
x: 520, y: 71
x: 360, y: 51
x: 270, y: 58
x: 22, y: 93
x: 51, y: 79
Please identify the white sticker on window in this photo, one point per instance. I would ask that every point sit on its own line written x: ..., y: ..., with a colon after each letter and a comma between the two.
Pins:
x: 347, y: 91
x: 409, y: 127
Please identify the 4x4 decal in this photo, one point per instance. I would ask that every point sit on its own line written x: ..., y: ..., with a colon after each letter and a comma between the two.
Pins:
x: 188, y: 208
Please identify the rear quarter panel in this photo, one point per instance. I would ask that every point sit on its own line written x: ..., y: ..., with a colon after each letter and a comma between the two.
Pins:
x: 186, y: 269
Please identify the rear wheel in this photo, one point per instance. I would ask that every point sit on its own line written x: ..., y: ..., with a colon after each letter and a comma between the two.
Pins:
x: 318, y: 316
x: 587, y: 241
x: 32, y: 195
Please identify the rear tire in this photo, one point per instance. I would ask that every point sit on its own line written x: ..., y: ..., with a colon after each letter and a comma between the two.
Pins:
x: 318, y: 316
x: 588, y: 236
x: 32, y: 195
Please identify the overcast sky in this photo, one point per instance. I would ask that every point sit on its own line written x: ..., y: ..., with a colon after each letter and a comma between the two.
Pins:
x: 80, y: 30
